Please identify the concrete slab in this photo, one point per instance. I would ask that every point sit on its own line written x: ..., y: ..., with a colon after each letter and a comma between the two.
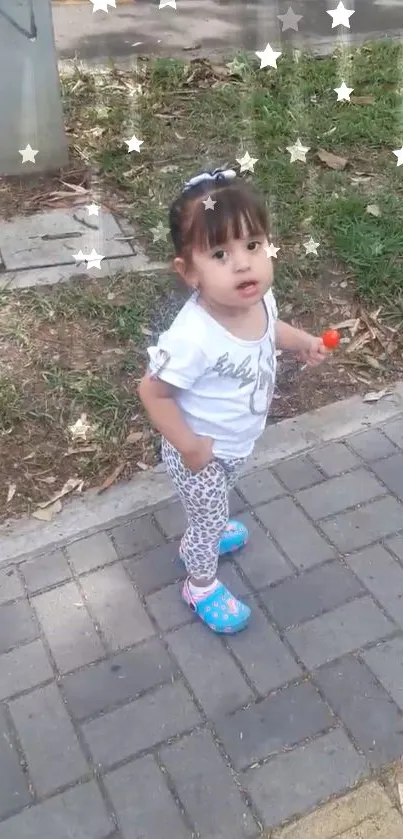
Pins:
x: 31, y: 277
x: 39, y: 250
x: 53, y: 237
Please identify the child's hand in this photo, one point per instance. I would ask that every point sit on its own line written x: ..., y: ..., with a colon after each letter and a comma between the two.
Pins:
x: 313, y: 351
x: 199, y: 454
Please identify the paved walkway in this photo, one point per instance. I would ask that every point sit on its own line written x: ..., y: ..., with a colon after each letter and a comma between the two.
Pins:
x: 215, y: 27
x: 121, y: 717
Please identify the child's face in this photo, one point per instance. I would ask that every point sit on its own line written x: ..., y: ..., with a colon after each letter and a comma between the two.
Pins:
x: 234, y: 275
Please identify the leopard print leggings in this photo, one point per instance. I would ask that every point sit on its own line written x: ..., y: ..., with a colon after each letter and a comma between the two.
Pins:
x: 204, y: 496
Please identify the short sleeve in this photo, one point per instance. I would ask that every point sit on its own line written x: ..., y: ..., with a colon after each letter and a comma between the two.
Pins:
x: 177, y: 360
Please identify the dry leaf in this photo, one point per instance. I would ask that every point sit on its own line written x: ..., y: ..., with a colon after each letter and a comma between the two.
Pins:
x: 375, y: 396
x: 49, y: 512
x: 361, y: 179
x: 346, y: 324
x: 81, y: 450
x: 359, y: 342
x: 373, y: 210
x: 134, y: 437
x: 114, y: 351
x: 372, y: 362
x: 77, y: 188
x: 142, y: 466
x: 332, y: 160
x: 362, y: 100
x: 364, y: 379
x: 112, y: 478
x: 356, y: 327
x: 11, y: 492
x: 70, y: 485
x: 50, y: 480
x: 373, y: 331
x: 331, y: 131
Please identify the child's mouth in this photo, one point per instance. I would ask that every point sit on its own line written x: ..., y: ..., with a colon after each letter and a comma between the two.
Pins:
x: 247, y: 287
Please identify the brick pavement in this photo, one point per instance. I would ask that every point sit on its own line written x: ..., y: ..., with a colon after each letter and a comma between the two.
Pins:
x: 122, y: 717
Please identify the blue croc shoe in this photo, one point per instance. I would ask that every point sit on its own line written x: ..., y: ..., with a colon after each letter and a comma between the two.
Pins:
x: 219, y: 610
x: 235, y: 536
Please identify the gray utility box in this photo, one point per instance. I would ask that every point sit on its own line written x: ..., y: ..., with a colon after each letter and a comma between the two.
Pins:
x: 30, y: 103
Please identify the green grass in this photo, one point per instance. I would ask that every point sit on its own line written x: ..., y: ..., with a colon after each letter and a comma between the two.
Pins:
x: 10, y: 402
x: 85, y: 343
x: 121, y: 307
x: 191, y: 123
x: 98, y: 394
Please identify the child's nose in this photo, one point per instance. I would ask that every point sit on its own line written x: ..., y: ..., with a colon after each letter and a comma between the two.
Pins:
x: 241, y: 260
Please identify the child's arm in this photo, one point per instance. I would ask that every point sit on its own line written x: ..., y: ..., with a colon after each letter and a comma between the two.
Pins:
x: 309, y: 348
x: 158, y: 399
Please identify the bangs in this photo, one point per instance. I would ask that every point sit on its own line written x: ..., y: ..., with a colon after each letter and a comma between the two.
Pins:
x: 237, y: 211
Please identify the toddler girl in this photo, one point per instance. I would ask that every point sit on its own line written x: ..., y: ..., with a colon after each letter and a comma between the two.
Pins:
x: 211, y: 376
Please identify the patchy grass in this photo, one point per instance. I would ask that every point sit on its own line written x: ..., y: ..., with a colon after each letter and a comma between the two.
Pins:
x: 174, y: 110
x: 68, y: 351
x: 80, y: 348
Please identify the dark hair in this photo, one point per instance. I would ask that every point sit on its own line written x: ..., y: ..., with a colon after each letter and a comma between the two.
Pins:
x: 192, y: 225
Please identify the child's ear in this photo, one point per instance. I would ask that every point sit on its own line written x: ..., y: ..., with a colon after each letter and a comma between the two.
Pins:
x: 179, y: 265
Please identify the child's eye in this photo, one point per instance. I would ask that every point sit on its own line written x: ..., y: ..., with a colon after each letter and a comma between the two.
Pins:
x: 218, y: 255
x: 253, y: 245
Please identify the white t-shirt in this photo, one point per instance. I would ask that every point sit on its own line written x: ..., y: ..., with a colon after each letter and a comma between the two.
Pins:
x: 225, y: 384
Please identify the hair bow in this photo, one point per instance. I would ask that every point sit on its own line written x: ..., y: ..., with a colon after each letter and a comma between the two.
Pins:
x: 216, y: 176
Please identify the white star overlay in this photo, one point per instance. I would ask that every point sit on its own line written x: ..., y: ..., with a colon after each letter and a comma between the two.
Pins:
x: 93, y: 209
x: 28, y: 154
x: 102, y: 5
x: 209, y: 204
x: 311, y: 246
x: 246, y: 162
x: 164, y: 3
x: 268, y: 57
x: 340, y: 15
x: 160, y: 232
x: 271, y: 251
x: 93, y: 260
x: 134, y: 144
x: 290, y: 20
x: 399, y: 155
x: 298, y: 151
x: 343, y: 92
x: 80, y: 256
